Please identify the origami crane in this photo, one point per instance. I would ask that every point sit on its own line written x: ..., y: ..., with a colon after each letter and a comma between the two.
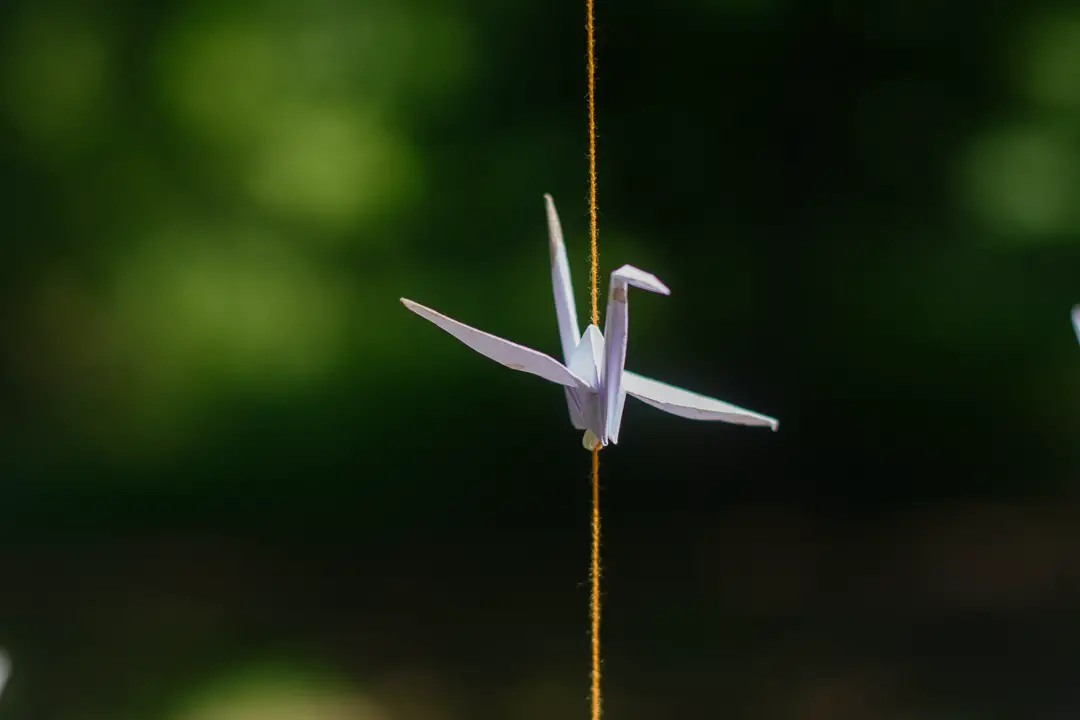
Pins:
x: 5, y: 670
x: 594, y: 378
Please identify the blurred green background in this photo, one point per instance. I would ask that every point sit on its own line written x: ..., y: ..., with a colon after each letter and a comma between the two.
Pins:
x: 238, y: 480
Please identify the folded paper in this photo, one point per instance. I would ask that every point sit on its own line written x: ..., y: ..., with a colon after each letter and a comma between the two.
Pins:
x: 593, y: 370
x: 5, y: 670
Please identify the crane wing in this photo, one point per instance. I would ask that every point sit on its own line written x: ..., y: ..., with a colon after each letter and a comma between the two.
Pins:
x: 689, y: 404
x: 512, y: 355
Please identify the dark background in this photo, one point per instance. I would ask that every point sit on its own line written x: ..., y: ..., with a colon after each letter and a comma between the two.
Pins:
x: 238, y: 479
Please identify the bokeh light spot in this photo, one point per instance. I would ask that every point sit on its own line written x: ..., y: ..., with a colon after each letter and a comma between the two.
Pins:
x: 56, y: 77
x: 281, y: 695
x: 1052, y: 62
x: 225, y: 79
x: 1023, y: 180
x: 330, y: 166
x: 231, y: 306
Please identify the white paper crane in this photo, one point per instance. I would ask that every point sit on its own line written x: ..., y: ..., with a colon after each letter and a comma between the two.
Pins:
x: 1076, y: 321
x: 5, y: 670
x: 594, y: 377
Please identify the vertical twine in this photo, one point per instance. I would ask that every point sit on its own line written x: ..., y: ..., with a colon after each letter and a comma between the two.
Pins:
x: 594, y: 573
x: 594, y: 267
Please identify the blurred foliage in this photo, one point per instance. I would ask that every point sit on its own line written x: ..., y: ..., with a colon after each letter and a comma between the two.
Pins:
x: 226, y: 446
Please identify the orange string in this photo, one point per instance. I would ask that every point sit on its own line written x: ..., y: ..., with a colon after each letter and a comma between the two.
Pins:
x: 595, y: 576
x: 593, y: 271
x: 594, y: 268
x: 594, y: 573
